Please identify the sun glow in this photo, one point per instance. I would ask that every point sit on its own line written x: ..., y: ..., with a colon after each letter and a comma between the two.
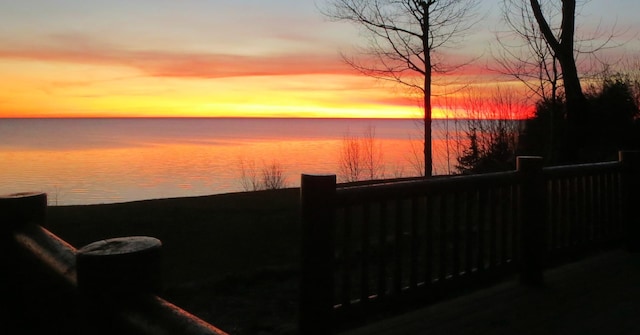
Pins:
x: 201, y: 58
x: 80, y: 90
x: 65, y: 81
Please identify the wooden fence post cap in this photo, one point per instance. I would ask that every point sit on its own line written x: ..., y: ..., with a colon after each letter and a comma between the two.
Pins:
x: 125, y: 265
x: 18, y: 209
x: 319, y: 178
x: 119, y: 246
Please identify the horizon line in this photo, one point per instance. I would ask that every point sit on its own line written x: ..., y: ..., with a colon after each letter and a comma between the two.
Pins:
x: 239, y: 117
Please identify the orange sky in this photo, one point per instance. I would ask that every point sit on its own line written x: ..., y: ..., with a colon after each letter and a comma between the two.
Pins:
x: 61, y: 58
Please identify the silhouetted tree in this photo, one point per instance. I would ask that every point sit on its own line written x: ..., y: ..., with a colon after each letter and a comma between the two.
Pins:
x: 541, y: 50
x: 525, y: 55
x: 493, y: 132
x: 611, y: 124
x: 563, y: 47
x: 544, y: 133
x: 404, y: 36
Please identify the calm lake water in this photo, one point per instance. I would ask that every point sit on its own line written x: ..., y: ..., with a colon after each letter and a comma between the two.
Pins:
x: 91, y: 161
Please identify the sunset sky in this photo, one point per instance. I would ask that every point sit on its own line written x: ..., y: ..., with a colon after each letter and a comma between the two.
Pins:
x: 235, y: 58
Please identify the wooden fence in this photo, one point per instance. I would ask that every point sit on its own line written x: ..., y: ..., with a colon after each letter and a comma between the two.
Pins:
x: 390, y: 246
x: 107, y: 287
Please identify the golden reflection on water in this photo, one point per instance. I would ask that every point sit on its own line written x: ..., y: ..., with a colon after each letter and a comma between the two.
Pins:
x: 187, y: 166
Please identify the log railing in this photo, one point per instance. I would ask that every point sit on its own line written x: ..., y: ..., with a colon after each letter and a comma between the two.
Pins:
x: 381, y: 247
x: 107, y: 287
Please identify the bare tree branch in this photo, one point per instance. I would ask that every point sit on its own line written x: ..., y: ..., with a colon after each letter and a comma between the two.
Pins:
x: 404, y: 37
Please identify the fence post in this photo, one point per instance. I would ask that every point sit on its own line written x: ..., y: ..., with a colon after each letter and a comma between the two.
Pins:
x: 630, y: 161
x: 533, y: 204
x: 113, y: 273
x: 317, y: 197
x: 17, y: 211
x: 20, y: 209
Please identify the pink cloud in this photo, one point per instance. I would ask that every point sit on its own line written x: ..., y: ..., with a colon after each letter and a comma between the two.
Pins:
x: 74, y: 49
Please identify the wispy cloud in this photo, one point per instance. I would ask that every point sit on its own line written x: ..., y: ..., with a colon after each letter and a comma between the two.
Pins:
x: 160, y: 63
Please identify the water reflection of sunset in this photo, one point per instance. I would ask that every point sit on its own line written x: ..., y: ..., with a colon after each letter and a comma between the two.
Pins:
x: 111, y: 160
x: 123, y: 174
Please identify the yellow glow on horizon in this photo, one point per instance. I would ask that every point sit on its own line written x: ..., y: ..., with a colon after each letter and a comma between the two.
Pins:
x: 58, y: 89
x: 65, y: 89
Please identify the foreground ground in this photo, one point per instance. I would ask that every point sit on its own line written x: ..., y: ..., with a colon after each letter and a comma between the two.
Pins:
x: 231, y: 259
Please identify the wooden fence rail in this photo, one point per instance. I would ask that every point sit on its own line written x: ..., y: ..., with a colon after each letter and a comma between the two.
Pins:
x: 107, y: 287
x: 386, y: 246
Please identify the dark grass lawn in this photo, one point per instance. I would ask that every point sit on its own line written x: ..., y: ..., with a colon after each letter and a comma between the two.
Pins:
x: 231, y: 259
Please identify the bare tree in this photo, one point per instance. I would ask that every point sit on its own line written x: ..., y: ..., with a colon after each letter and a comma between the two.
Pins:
x: 249, y: 175
x: 404, y: 38
x: 273, y: 177
x: 361, y: 157
x: 541, y: 50
x: 415, y: 157
x: 493, y: 130
x: 373, y: 157
x: 270, y: 177
x: 525, y: 54
x: 350, y: 167
x: 562, y: 43
x: 454, y: 136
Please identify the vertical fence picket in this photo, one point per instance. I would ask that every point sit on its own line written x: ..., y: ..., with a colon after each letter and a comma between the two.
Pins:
x: 469, y: 200
x: 554, y: 214
x: 397, y: 262
x: 365, y: 255
x: 415, y: 243
x: 483, y: 200
x: 442, y: 245
x: 382, y: 251
x: 575, y: 211
x: 569, y: 203
x: 493, y: 235
x: 599, y: 202
x: 607, y: 206
x: 582, y: 209
x: 617, y: 203
x: 504, y: 226
x: 429, y: 239
x: 590, y: 210
x: 455, y: 234
x: 515, y: 219
x: 347, y: 256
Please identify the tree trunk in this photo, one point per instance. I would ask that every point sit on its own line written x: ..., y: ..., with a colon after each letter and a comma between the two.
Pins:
x: 576, y: 103
x: 563, y: 49
x: 428, y: 157
x: 428, y: 148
